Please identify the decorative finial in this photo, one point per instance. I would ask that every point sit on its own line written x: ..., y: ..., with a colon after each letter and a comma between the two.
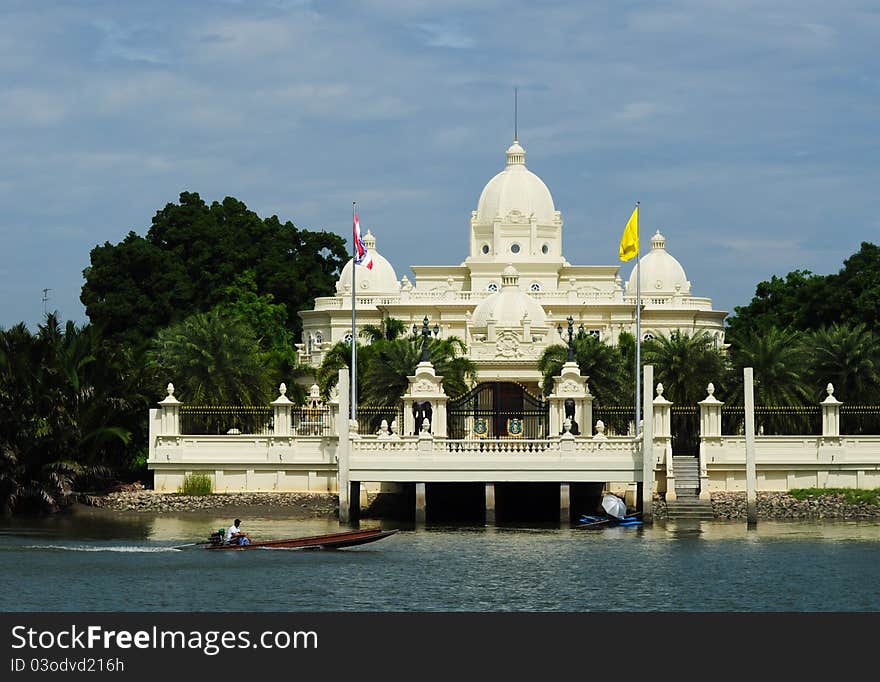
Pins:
x: 170, y: 390
x: 282, y: 389
x: 710, y: 389
x: 829, y: 389
x: 659, y: 390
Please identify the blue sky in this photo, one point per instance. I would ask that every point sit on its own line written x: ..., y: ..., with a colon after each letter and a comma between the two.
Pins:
x: 749, y: 131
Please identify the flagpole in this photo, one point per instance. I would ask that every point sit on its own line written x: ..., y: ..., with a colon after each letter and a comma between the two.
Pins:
x: 638, y: 323
x: 353, y: 314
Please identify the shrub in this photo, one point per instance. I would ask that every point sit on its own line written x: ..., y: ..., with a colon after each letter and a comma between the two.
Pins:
x: 196, y: 484
x: 850, y: 495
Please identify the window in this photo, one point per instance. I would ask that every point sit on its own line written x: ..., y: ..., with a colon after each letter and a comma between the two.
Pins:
x: 319, y: 337
x: 648, y: 337
x: 535, y: 286
x: 347, y: 338
x: 485, y: 249
x: 492, y: 286
x: 514, y: 248
x: 545, y: 249
x: 595, y: 332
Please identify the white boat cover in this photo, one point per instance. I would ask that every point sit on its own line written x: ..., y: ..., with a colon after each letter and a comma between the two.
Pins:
x: 614, y: 506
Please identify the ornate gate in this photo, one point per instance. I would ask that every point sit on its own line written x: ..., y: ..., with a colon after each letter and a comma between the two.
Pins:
x: 501, y: 409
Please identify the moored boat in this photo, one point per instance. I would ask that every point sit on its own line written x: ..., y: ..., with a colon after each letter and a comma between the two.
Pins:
x: 348, y: 538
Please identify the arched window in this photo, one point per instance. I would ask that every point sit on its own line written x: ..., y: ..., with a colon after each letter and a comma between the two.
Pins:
x: 535, y: 286
x: 648, y: 337
x: 347, y: 338
x: 492, y: 286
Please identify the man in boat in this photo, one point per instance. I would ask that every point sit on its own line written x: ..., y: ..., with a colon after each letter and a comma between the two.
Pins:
x: 234, y: 536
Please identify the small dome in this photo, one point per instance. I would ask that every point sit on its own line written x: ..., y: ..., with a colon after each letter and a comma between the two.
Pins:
x: 661, y: 273
x: 516, y: 188
x: 380, y: 279
x: 509, y: 306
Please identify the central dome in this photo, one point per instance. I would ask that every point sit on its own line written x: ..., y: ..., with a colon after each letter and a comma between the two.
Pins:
x: 381, y: 278
x: 509, y: 306
x: 516, y: 188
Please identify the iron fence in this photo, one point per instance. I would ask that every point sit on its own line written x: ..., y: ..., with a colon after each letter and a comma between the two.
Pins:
x: 369, y: 418
x: 226, y: 420
x: 619, y: 420
x: 860, y: 420
x: 684, y: 424
x: 773, y: 420
x: 311, y: 421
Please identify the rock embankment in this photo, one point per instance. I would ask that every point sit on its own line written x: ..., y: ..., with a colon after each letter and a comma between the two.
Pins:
x: 310, y: 504
x: 779, y: 505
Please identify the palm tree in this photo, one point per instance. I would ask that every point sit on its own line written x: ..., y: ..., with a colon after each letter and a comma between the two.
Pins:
x: 212, y: 360
x: 685, y: 364
x: 778, y: 360
x: 65, y: 416
x: 847, y: 356
x: 389, y: 329
x: 603, y: 364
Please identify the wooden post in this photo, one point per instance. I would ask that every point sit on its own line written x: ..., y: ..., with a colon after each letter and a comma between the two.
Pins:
x: 648, y: 445
x: 751, y: 472
x: 490, y: 504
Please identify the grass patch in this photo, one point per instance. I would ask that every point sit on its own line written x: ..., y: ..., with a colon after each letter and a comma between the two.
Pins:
x: 196, y: 484
x: 850, y: 495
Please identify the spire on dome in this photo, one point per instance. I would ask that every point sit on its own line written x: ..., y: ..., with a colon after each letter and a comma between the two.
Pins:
x: 658, y: 241
x: 510, y: 276
x: 516, y: 155
x: 369, y: 240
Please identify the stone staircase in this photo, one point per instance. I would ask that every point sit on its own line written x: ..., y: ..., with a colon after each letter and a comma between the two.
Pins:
x: 688, y: 504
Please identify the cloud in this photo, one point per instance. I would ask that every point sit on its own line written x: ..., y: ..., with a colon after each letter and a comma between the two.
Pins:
x: 445, y: 35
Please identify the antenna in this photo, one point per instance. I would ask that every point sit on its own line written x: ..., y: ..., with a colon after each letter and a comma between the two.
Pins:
x: 515, y: 116
x: 45, y: 298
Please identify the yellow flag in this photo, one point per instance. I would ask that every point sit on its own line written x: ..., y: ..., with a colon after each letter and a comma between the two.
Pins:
x: 629, y: 242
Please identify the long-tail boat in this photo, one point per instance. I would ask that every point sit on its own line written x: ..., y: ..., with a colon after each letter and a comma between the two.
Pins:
x: 348, y: 538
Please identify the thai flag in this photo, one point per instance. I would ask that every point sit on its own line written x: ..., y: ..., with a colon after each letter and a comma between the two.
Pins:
x: 363, y: 256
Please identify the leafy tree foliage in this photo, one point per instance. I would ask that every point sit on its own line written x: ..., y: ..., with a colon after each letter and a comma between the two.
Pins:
x: 214, y: 359
x: 69, y: 406
x: 384, y: 364
x: 190, y: 255
x: 603, y: 364
x: 805, y: 301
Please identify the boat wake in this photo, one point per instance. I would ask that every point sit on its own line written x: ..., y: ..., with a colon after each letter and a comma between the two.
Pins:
x: 120, y: 548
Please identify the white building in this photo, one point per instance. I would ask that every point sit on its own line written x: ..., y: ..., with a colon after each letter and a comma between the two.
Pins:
x: 515, y: 287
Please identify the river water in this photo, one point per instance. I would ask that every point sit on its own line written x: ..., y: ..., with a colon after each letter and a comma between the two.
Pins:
x: 95, y: 560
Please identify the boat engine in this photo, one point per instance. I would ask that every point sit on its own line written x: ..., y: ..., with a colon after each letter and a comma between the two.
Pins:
x: 217, y: 538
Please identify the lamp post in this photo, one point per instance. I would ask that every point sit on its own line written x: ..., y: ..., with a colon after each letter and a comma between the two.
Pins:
x: 426, y: 334
x: 570, y: 321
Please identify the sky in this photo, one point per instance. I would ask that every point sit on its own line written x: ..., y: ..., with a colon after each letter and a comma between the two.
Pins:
x: 749, y: 131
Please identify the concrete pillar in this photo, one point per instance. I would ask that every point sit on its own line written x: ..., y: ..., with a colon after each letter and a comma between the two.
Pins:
x: 490, y: 504
x: 710, y: 434
x: 281, y: 406
x: 663, y: 439
x: 751, y: 470
x: 830, y: 414
x: 564, y: 504
x: 343, y: 448
x: 170, y: 413
x: 420, y: 504
x: 648, y: 445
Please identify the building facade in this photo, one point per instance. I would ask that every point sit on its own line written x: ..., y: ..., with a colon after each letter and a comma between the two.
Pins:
x: 514, y: 289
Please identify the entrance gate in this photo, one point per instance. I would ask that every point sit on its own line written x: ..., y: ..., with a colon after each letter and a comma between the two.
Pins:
x: 501, y: 409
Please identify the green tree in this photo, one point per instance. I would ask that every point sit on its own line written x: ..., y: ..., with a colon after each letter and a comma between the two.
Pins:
x: 68, y: 408
x: 212, y: 359
x: 602, y: 363
x: 685, y: 364
x: 847, y: 356
x: 190, y: 254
